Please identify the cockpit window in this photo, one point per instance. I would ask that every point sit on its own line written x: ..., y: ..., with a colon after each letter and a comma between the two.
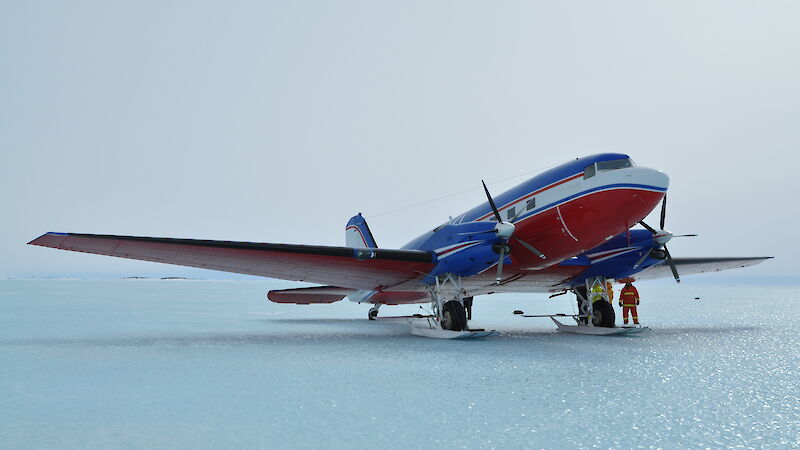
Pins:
x: 603, y: 166
x: 588, y: 172
x: 613, y: 164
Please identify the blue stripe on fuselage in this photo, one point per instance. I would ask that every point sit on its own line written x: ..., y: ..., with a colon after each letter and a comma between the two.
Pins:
x: 540, y: 181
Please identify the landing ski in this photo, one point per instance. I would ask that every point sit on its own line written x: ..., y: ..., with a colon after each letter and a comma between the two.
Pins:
x: 598, y: 331
x: 438, y: 333
x: 432, y: 330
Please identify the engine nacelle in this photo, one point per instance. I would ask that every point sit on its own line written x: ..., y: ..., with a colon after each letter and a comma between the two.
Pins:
x: 466, y: 249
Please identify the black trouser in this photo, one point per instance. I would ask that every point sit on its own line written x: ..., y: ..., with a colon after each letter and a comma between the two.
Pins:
x: 468, y: 307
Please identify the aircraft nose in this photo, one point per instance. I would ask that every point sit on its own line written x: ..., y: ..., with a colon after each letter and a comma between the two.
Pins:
x: 651, y: 177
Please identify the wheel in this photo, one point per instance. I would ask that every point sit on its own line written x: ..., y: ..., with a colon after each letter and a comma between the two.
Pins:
x: 373, y: 314
x: 603, y: 314
x: 454, y: 317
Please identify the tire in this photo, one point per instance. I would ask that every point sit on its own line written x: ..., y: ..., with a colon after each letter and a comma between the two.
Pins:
x: 603, y: 314
x: 454, y: 317
x: 372, y: 314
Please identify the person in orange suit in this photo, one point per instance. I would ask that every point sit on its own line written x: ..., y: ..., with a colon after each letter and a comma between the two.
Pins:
x: 629, y: 300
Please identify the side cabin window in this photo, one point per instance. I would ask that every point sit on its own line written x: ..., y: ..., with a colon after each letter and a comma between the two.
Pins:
x: 531, y: 204
x: 511, y: 213
x: 589, y: 172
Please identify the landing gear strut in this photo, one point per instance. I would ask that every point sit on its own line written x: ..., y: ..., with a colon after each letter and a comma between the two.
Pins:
x: 447, y: 302
x: 584, y: 307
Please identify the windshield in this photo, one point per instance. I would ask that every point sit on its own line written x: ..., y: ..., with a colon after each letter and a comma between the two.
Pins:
x: 614, y: 164
x: 604, y: 166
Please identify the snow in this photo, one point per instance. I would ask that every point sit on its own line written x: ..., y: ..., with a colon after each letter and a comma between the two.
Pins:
x: 210, y: 364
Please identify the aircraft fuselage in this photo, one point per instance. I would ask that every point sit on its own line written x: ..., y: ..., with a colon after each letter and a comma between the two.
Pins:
x: 563, y: 212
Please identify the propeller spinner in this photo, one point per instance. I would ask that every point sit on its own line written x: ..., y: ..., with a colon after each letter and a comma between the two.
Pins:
x: 505, y: 231
x: 662, y: 236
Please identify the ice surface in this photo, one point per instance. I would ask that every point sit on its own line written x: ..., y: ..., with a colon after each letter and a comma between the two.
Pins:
x: 203, y: 364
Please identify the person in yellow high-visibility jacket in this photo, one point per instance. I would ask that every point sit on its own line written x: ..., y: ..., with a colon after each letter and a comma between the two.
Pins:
x: 629, y: 300
x: 597, y: 292
x: 610, y: 291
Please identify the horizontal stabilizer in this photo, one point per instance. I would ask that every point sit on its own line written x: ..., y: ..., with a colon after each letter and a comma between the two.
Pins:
x: 309, y: 295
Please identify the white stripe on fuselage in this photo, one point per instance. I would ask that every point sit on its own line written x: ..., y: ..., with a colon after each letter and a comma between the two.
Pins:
x: 523, y: 200
x: 558, y: 195
x: 444, y: 252
x: 608, y: 254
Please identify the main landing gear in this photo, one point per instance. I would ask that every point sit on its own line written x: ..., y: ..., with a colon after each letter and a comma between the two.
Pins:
x: 595, y: 314
x: 599, y: 310
x: 447, y: 302
x: 450, y: 306
x: 450, y: 311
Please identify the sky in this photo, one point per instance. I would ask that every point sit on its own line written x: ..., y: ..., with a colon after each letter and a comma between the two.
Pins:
x: 278, y: 121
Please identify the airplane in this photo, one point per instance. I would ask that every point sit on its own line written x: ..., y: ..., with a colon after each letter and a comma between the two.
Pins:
x: 557, y: 232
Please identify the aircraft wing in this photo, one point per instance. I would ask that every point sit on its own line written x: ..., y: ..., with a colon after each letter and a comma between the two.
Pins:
x: 689, y: 266
x: 348, y: 267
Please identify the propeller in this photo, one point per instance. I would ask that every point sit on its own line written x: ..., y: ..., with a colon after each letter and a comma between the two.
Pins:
x: 661, y: 237
x: 505, y: 231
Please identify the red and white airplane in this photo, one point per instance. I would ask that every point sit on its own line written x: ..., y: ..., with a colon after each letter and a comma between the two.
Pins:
x: 560, y: 231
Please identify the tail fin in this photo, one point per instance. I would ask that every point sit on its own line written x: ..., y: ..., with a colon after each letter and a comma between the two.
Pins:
x: 357, y: 233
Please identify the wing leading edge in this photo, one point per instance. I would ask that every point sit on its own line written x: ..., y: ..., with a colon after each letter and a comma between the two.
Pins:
x: 690, y: 266
x: 338, y: 266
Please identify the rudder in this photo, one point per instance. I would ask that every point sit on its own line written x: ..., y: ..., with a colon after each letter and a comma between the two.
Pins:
x: 357, y: 233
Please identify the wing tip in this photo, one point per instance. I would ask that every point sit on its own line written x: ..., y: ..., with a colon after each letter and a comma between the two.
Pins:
x: 45, y: 240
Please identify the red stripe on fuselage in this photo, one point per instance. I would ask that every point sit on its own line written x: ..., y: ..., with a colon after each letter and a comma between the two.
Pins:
x: 458, y: 247
x: 526, y: 196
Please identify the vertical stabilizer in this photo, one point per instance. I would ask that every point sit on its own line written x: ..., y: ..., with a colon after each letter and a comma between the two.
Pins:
x: 357, y: 233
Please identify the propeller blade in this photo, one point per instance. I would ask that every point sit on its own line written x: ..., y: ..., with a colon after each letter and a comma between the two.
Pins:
x: 663, y: 211
x: 500, y: 264
x: 649, y: 228
x: 491, y: 203
x: 672, y: 265
x: 530, y: 247
x: 684, y: 235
